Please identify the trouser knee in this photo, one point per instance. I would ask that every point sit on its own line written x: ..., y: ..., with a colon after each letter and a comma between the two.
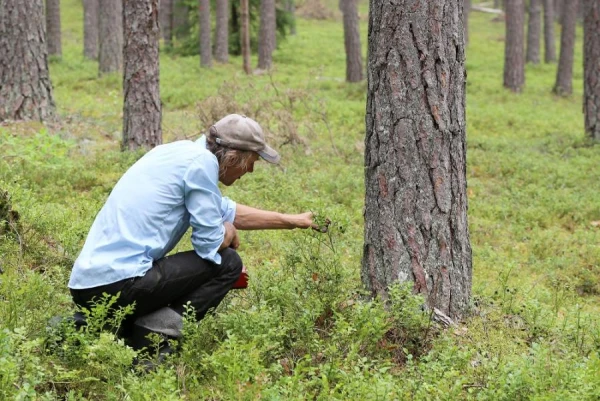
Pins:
x: 231, y: 263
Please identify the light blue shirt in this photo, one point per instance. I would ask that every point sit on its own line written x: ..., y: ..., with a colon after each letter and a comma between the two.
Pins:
x: 172, y: 187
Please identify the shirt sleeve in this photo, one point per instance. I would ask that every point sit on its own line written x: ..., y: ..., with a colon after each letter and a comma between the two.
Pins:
x: 228, y: 209
x: 204, y: 203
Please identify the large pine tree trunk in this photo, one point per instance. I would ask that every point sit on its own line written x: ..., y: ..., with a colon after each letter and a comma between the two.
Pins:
x: 166, y: 21
x: 142, y: 107
x: 564, y: 75
x: 415, y: 158
x: 266, y: 38
x: 591, y: 55
x: 222, y: 31
x: 25, y: 87
x: 354, y: 63
x: 549, y: 46
x: 205, y: 47
x: 53, y: 28
x: 534, y: 29
x: 111, y: 36
x: 245, y: 35
x: 514, y: 57
x: 90, y: 29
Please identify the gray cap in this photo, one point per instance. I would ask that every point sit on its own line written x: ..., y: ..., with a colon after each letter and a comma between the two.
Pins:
x: 243, y: 133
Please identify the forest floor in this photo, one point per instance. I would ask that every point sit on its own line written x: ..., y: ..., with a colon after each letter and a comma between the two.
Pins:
x: 302, y: 330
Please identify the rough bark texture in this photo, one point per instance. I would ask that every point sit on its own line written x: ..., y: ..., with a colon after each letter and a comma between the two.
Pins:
x: 222, y: 31
x: 549, y: 46
x: 415, y: 153
x: 25, y: 88
x: 205, y: 47
x: 466, y: 12
x: 514, y: 51
x: 141, y: 107
x: 90, y: 29
x: 564, y: 75
x: 110, y: 56
x: 534, y: 29
x: 53, y: 28
x: 591, y: 67
x: 266, y: 39
x: 245, y: 36
x: 354, y: 61
x: 166, y: 21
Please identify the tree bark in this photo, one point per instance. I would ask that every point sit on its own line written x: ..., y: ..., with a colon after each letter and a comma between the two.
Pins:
x: 564, y: 75
x: 111, y: 36
x: 534, y: 29
x: 222, y: 31
x: 415, y: 154
x: 181, y: 24
x: 90, y: 29
x: 166, y: 21
x: 354, y: 63
x: 205, y: 47
x: 591, y: 67
x: 466, y: 12
x: 25, y: 87
x: 514, y: 57
x: 549, y: 46
x: 266, y: 40
x: 53, y: 28
x: 245, y: 35
x: 141, y: 107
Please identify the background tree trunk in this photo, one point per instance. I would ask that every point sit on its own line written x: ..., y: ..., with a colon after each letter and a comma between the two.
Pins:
x: 591, y: 66
x: 25, y: 87
x: 141, y: 107
x: 111, y: 36
x: 558, y: 10
x: 245, y: 35
x: 166, y: 21
x: 205, y: 46
x: 222, y: 31
x: 290, y: 6
x: 354, y: 63
x: 549, y: 46
x: 53, y: 28
x: 564, y: 75
x: 534, y: 29
x: 415, y: 172
x: 90, y: 29
x: 181, y: 24
x: 266, y: 40
x: 514, y: 57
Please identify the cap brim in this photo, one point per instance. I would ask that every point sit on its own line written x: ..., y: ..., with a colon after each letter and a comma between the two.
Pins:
x: 270, y: 155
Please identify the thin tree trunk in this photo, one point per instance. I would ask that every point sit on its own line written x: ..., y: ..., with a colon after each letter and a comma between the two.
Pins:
x: 290, y: 7
x: 141, y: 107
x: 591, y: 67
x: 53, y: 28
x: 205, y: 47
x: 564, y: 75
x: 25, y: 87
x: 549, y: 46
x: 245, y: 35
x: 222, y: 31
x: 111, y: 36
x: 514, y: 57
x: 90, y: 29
x: 354, y: 63
x: 181, y: 24
x: 415, y: 154
x: 558, y: 10
x: 534, y: 32
x: 166, y: 21
x: 266, y: 41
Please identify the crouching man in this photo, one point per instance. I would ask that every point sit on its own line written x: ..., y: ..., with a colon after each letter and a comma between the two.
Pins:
x: 172, y: 187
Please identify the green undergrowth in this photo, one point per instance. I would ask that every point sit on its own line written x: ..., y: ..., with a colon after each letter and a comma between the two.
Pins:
x: 304, y: 329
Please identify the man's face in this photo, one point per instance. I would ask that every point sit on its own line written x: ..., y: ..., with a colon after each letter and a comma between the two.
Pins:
x: 231, y: 174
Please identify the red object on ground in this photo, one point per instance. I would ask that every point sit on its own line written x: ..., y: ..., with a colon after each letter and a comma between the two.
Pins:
x: 242, y: 282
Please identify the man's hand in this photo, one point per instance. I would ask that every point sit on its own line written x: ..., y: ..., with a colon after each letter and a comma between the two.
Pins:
x: 231, y: 239
x: 303, y: 220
